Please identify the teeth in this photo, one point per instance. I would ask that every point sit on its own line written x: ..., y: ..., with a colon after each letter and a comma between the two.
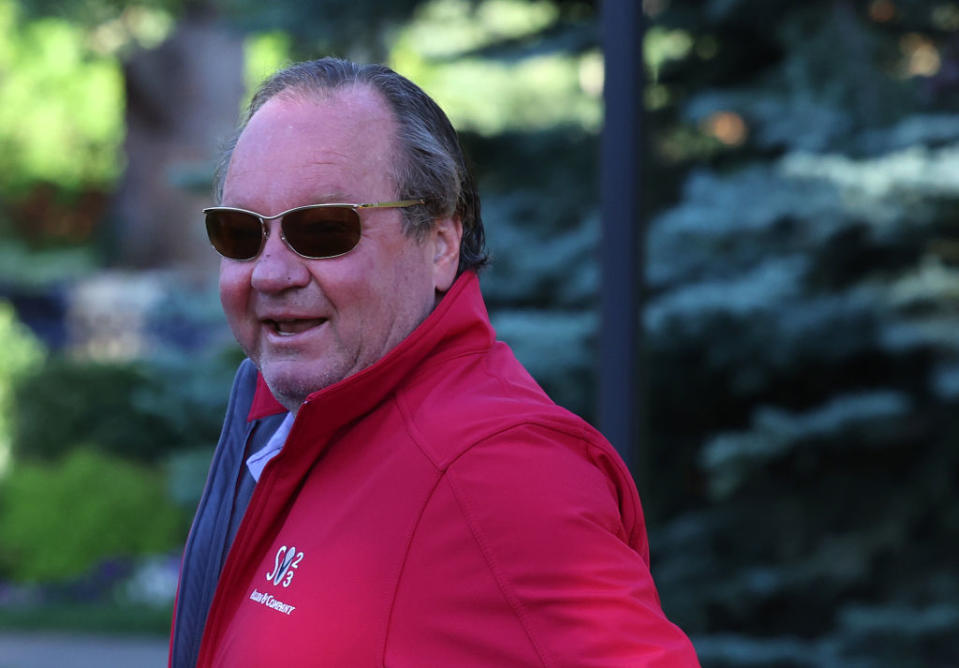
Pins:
x: 291, y: 327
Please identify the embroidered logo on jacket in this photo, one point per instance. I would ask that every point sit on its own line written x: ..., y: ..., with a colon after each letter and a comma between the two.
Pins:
x: 274, y: 604
x: 286, y: 561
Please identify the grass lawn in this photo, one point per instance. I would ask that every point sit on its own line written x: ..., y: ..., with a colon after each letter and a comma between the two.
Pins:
x: 88, y: 618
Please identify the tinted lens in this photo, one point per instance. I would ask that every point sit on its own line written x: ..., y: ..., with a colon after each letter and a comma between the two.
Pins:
x: 324, y: 231
x: 233, y: 234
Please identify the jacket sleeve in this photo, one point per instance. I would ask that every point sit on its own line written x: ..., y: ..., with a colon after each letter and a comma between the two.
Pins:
x: 532, y: 552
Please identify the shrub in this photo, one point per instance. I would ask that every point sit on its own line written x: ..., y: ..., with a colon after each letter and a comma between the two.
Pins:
x: 59, y: 520
x: 19, y: 353
x: 67, y: 401
x: 141, y: 410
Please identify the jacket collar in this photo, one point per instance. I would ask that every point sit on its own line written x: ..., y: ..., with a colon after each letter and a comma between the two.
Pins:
x: 458, y: 323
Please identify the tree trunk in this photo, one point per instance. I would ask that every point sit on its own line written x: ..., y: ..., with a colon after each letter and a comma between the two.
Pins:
x: 182, y: 103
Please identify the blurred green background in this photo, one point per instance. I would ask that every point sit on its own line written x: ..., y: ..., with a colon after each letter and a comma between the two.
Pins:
x: 801, y: 273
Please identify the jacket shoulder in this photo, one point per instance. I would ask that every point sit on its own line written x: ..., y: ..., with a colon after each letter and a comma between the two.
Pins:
x: 540, y: 517
x: 469, y: 399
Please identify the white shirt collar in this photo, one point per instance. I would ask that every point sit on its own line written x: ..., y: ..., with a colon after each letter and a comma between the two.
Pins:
x: 259, y: 459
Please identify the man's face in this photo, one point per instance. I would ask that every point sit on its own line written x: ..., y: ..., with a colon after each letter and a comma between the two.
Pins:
x: 307, y: 324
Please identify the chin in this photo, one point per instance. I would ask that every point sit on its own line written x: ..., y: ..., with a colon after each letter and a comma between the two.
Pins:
x: 290, y: 384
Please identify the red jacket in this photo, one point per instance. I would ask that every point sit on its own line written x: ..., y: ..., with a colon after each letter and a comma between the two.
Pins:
x: 437, y: 509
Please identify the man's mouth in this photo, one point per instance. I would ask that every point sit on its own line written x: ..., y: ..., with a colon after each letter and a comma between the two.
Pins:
x: 291, y: 327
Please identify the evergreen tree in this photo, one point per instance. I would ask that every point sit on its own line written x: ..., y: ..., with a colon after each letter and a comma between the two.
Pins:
x: 801, y: 326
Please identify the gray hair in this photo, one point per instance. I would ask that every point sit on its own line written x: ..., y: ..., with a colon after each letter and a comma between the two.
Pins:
x: 430, y: 166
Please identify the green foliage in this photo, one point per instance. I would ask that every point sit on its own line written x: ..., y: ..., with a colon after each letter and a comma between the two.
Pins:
x: 335, y: 26
x: 186, y: 472
x: 138, y: 409
x: 730, y: 459
x: 20, y: 354
x: 469, y: 26
x: 542, y: 289
x: 100, y: 13
x: 265, y: 52
x: 534, y: 150
x: 69, y: 402
x: 110, y: 617
x: 554, y: 347
x: 801, y: 333
x: 28, y: 268
x: 60, y: 106
x: 801, y: 354
x: 59, y: 520
x: 441, y: 49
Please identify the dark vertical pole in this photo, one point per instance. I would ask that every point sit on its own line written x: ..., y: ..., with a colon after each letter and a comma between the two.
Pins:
x: 619, y: 394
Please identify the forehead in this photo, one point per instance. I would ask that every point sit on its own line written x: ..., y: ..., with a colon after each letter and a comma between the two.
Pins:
x: 303, y: 145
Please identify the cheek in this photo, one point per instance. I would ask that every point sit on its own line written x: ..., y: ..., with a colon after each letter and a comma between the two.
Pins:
x: 409, y: 288
x: 346, y: 281
x: 234, y: 293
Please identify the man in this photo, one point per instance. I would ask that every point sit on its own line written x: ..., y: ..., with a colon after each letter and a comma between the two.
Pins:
x: 391, y: 488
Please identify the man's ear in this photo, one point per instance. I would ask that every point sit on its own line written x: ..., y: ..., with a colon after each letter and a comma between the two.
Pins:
x: 445, y: 238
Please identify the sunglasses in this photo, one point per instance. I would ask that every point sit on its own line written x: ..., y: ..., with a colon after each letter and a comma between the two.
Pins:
x: 314, y: 231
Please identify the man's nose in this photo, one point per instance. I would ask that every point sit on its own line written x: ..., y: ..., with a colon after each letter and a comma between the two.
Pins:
x: 277, y: 267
